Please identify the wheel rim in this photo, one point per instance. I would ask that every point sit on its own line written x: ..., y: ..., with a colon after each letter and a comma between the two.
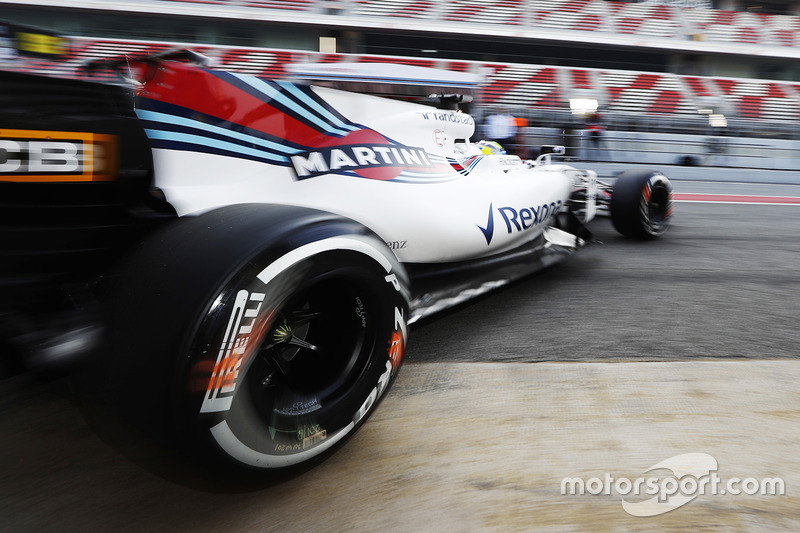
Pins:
x: 313, y: 353
x: 657, y: 206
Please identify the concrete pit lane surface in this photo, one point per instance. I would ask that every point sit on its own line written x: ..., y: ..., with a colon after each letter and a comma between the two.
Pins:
x: 638, y: 386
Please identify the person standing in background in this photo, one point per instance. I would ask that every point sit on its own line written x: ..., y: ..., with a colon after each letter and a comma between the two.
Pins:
x: 501, y: 127
x: 595, y: 127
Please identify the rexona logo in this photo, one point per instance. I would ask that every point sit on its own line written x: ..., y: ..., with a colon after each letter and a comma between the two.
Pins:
x: 53, y: 156
x: 515, y: 220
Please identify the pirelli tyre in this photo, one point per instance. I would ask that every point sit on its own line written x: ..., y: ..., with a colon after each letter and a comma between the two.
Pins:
x: 265, y: 335
x: 641, y: 204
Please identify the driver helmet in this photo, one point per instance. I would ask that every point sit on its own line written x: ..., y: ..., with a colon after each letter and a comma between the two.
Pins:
x: 491, y: 148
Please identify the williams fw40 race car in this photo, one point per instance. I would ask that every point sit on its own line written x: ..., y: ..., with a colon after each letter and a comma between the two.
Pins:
x: 238, y: 260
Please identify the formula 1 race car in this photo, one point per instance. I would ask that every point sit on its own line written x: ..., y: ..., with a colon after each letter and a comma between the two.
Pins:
x: 240, y: 258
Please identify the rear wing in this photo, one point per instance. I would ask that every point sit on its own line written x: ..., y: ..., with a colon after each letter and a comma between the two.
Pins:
x: 120, y: 67
x: 439, y: 87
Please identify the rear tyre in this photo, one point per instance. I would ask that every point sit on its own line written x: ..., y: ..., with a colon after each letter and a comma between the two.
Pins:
x: 641, y: 204
x: 264, y: 335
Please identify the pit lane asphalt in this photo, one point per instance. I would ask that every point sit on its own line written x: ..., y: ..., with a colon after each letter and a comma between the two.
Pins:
x: 723, y: 282
x: 621, y: 357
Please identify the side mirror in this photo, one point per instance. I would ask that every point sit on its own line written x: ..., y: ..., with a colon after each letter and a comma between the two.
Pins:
x: 547, y: 153
x: 554, y: 149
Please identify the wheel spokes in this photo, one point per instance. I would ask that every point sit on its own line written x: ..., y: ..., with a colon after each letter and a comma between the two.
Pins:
x: 287, y: 340
x: 296, y: 341
x: 301, y: 317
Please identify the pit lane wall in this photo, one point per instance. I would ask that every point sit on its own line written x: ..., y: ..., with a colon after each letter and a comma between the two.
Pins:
x: 702, y: 157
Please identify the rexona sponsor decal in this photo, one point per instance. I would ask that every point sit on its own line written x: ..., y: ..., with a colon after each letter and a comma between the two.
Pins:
x: 56, y: 156
x: 517, y: 219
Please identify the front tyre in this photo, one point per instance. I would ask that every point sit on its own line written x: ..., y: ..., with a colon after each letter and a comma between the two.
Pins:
x: 273, y: 331
x: 641, y: 204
